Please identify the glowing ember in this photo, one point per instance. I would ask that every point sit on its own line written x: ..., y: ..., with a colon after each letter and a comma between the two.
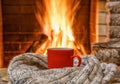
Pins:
x: 56, y: 18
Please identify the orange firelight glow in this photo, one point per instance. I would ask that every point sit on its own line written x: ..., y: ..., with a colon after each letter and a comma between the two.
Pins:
x: 56, y: 18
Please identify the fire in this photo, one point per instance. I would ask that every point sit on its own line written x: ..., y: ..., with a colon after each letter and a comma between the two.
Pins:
x: 56, y: 18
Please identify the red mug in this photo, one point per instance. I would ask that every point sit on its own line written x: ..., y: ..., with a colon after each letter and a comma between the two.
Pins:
x: 61, y: 57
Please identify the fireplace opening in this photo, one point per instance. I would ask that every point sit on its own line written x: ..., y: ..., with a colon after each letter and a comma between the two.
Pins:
x: 65, y: 24
x: 68, y: 25
x: 34, y: 26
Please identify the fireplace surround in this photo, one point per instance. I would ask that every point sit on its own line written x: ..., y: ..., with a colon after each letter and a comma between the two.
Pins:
x: 21, y: 29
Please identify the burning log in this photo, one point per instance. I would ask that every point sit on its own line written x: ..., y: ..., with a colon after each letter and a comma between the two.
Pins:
x: 38, y: 44
x: 108, y: 52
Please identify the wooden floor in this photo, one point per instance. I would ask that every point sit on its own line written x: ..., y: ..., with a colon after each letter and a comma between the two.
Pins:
x: 4, y: 77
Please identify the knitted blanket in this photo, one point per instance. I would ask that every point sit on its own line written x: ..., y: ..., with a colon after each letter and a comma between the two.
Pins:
x: 31, y: 68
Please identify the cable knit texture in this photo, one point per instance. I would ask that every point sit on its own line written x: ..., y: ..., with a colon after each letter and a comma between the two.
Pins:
x: 31, y: 68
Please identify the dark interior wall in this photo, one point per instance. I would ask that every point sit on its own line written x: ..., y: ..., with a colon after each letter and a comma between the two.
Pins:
x: 20, y: 27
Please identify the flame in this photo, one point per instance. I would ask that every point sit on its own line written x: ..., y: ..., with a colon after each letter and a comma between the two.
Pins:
x: 56, y: 18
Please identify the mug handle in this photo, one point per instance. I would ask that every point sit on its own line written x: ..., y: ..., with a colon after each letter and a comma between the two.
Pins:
x: 78, y: 57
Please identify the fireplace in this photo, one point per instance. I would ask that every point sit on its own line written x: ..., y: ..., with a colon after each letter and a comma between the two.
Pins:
x: 21, y: 27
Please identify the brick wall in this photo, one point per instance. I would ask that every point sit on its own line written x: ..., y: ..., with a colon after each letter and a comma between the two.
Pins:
x: 20, y: 27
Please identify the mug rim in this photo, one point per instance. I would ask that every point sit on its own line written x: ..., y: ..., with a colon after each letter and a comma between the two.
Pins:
x: 62, y: 48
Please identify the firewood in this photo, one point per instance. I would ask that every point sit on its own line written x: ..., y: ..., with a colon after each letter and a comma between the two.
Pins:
x: 36, y: 44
